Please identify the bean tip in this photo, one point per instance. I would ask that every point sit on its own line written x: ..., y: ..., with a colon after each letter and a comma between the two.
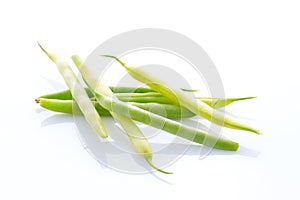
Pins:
x: 51, y: 56
x: 37, y: 100
x: 104, y: 136
x: 236, y: 146
x: 116, y: 58
x: 245, y: 98
x: 258, y: 132
x: 189, y: 90
x: 156, y: 168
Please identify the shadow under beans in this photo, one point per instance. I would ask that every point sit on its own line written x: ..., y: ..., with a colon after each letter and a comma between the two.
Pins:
x: 119, y: 139
x: 57, y: 119
x: 40, y: 110
x: 103, y: 150
x: 116, y: 152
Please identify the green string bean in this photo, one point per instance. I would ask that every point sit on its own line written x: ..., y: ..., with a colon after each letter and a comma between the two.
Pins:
x: 179, y: 97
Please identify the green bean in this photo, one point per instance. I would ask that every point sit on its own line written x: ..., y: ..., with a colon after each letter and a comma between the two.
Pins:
x: 79, y: 94
x: 165, y: 124
x: 62, y: 95
x: 179, y: 97
x: 147, y: 97
x: 220, y: 102
x: 166, y: 110
x: 157, y: 98
x: 161, y: 100
x: 57, y: 105
x: 136, y: 137
x: 130, y: 90
x: 66, y: 106
x: 120, y: 91
x: 189, y: 90
x: 212, y: 102
x: 140, y: 90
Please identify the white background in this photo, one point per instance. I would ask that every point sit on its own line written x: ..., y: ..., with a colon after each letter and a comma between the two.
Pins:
x: 255, y: 46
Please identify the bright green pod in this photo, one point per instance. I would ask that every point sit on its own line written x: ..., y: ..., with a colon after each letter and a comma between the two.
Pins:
x: 166, y: 110
x: 165, y: 124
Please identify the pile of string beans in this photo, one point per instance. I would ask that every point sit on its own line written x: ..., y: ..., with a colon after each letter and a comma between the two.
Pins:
x: 127, y: 104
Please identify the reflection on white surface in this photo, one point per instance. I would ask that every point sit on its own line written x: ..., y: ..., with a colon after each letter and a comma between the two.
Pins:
x: 116, y: 151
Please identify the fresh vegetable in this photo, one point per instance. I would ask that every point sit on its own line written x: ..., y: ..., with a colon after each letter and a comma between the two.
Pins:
x: 82, y: 99
x: 180, y: 98
x: 66, y: 106
x: 165, y: 124
x: 156, y: 106
x: 166, y: 110
x: 137, y: 138
x: 144, y: 97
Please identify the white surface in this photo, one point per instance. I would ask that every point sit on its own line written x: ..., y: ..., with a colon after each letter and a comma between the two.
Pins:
x: 255, y: 46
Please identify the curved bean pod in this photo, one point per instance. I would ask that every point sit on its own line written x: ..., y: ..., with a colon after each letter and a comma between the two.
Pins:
x: 179, y: 97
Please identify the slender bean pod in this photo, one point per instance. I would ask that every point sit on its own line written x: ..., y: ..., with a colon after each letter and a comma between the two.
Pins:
x: 130, y: 90
x: 179, y: 97
x: 138, y: 140
x: 66, y: 106
x: 166, y: 110
x: 80, y: 96
x: 146, y: 97
x: 163, y: 123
